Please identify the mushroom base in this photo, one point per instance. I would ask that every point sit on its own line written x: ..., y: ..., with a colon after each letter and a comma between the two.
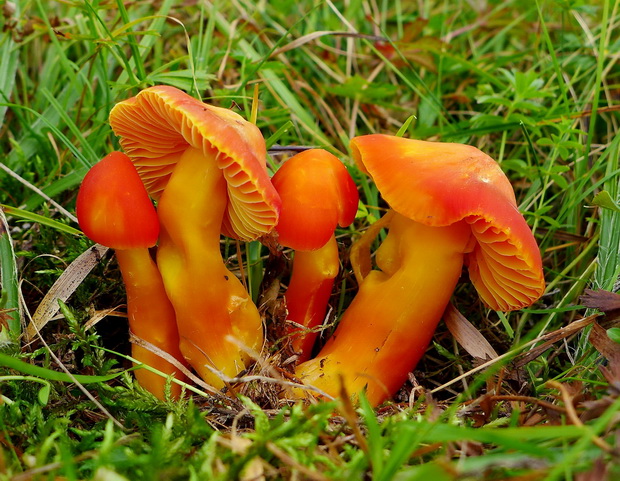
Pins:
x: 390, y: 322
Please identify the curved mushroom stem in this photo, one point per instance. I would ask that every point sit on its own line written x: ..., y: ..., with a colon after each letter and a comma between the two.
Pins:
x: 209, y: 301
x: 360, y: 251
x: 308, y: 293
x: 151, y: 318
x: 387, y: 327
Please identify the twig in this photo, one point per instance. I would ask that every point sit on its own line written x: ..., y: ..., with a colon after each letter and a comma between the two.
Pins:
x: 572, y: 414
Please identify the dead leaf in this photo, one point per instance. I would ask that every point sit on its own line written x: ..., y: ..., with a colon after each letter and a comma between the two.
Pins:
x: 64, y: 287
x: 605, y: 301
x: 605, y: 346
x: 467, y: 335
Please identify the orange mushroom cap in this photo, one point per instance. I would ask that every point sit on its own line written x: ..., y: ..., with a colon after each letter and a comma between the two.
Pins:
x: 113, y: 207
x: 317, y: 194
x: 156, y: 126
x: 438, y: 184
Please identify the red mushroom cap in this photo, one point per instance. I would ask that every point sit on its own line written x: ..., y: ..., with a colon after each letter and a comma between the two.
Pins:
x: 156, y: 126
x: 113, y: 207
x: 317, y: 194
x: 438, y: 184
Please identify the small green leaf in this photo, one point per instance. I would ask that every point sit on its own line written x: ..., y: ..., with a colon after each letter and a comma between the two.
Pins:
x: 44, y: 394
x: 614, y: 334
x: 405, y: 126
x: 604, y: 200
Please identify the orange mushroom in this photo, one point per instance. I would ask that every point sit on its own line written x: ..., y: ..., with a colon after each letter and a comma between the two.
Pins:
x: 114, y: 210
x: 452, y: 205
x: 317, y: 194
x: 206, y: 166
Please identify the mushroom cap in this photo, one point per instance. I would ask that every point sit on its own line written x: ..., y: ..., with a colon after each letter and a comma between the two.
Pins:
x: 157, y: 125
x: 437, y: 184
x: 317, y: 194
x: 113, y: 207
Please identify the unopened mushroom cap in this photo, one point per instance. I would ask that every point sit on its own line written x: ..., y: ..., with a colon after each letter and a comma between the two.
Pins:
x: 156, y: 126
x: 437, y: 184
x: 317, y: 194
x: 113, y: 207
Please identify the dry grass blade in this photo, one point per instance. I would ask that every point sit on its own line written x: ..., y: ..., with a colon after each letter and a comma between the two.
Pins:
x: 64, y: 287
x: 100, y: 315
x: 551, y: 338
x: 190, y: 375
x: 350, y: 415
x: 322, y: 33
x: 467, y: 335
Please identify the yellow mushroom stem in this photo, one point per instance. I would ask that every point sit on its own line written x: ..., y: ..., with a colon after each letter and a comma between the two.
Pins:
x: 390, y: 322
x: 308, y: 294
x: 211, y: 304
x: 151, y: 318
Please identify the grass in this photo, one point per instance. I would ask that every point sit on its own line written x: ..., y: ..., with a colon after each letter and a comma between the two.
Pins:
x: 533, y: 84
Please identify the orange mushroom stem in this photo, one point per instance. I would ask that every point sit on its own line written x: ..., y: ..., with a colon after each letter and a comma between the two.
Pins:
x: 114, y: 210
x: 452, y: 206
x: 206, y: 166
x: 317, y: 195
x: 210, y: 301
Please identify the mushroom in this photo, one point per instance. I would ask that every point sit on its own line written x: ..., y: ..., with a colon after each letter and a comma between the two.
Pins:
x: 206, y: 167
x: 452, y: 205
x: 317, y: 194
x: 114, y: 210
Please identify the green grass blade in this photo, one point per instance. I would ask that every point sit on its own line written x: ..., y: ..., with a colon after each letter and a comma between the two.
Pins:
x: 138, y: 61
x: 84, y: 146
x: 9, y: 298
x: 9, y: 53
x: 51, y: 375
x: 148, y: 41
x: 40, y: 219
x: 596, y: 93
x: 77, y: 153
x: 274, y: 82
x: 608, y: 268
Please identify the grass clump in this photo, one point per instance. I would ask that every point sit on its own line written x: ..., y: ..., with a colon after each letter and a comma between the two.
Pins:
x: 533, y: 84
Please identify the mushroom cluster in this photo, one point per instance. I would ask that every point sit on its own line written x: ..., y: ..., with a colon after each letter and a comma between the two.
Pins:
x: 450, y: 206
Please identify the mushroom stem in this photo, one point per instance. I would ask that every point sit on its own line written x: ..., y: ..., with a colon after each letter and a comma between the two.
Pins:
x: 390, y: 322
x: 209, y: 301
x: 308, y: 293
x: 151, y: 318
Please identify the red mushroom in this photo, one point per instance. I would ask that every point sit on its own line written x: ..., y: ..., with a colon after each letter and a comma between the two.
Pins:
x: 206, y: 166
x: 452, y: 206
x: 114, y: 210
x: 317, y: 194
